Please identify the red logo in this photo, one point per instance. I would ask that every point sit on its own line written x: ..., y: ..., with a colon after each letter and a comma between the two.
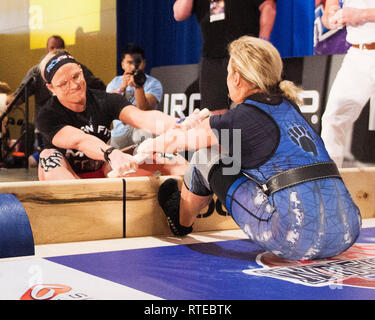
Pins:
x: 355, y: 267
x: 45, y: 291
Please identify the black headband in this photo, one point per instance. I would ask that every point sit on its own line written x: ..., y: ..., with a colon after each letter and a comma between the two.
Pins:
x: 55, y: 63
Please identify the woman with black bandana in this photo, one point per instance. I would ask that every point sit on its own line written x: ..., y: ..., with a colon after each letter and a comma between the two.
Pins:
x: 75, y: 124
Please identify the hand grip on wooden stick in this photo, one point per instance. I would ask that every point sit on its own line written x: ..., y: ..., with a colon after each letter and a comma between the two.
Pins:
x: 138, y: 158
x: 202, y: 114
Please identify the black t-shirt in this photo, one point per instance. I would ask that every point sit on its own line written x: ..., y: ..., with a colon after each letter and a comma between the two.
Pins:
x: 101, y: 109
x: 241, y: 18
x: 259, y: 133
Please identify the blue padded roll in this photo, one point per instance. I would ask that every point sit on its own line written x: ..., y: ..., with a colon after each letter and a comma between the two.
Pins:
x: 16, y: 237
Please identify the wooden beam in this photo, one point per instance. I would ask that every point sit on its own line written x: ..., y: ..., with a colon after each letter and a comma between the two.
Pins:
x: 68, y: 211
x: 361, y: 185
x: 94, y: 209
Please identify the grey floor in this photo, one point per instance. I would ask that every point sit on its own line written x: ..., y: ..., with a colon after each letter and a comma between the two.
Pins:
x: 14, y: 175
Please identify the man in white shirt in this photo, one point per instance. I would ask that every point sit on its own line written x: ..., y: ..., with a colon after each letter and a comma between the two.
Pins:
x: 355, y: 81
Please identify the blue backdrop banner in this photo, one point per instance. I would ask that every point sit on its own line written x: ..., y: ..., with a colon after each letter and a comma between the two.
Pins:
x: 150, y: 24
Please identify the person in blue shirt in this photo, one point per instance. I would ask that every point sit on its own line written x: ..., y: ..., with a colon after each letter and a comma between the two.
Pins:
x: 264, y: 162
x: 140, y: 89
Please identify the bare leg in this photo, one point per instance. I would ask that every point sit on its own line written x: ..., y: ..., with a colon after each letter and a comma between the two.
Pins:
x: 191, y: 205
x: 53, y: 166
x: 182, y: 208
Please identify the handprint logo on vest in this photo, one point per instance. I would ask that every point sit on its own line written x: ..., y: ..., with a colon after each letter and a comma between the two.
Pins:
x: 303, y: 138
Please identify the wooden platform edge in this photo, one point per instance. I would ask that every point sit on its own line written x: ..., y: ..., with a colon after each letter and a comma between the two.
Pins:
x: 361, y: 186
x: 94, y: 209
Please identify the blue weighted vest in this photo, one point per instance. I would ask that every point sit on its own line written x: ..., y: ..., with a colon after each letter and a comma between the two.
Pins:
x: 299, y: 144
x: 306, y: 220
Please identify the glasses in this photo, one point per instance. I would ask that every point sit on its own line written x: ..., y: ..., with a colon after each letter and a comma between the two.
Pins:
x: 64, y: 85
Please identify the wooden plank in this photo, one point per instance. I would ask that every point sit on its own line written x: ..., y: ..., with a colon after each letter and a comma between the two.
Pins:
x: 144, y: 217
x: 65, y: 211
x: 361, y: 185
x: 84, y: 210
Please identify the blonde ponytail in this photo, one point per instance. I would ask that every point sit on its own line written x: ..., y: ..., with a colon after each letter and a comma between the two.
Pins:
x: 290, y: 91
x: 260, y: 64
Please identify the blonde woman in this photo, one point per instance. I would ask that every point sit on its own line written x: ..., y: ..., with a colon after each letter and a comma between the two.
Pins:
x: 265, y: 163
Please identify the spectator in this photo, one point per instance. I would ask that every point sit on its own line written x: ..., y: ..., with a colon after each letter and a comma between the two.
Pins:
x: 4, y: 98
x: 140, y: 89
x: 222, y: 21
x: 355, y: 82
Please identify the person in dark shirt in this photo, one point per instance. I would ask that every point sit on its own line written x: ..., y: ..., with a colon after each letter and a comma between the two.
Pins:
x: 264, y: 162
x: 75, y: 124
x: 221, y: 22
x: 37, y: 86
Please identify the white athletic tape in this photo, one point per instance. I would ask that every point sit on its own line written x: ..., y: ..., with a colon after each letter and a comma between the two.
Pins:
x: 202, y: 114
x: 138, y: 158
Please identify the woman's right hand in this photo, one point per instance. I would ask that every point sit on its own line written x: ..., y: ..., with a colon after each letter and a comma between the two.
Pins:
x: 121, y: 163
x: 147, y: 147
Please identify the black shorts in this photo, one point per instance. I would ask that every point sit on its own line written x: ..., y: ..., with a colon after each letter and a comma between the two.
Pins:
x: 213, y: 83
x: 220, y: 183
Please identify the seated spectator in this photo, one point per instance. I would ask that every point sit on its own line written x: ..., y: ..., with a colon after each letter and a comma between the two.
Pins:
x: 10, y: 159
x: 4, y: 98
x: 139, y: 89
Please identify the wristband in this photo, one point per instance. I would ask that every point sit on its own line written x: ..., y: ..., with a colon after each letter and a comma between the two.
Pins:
x: 107, y: 153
